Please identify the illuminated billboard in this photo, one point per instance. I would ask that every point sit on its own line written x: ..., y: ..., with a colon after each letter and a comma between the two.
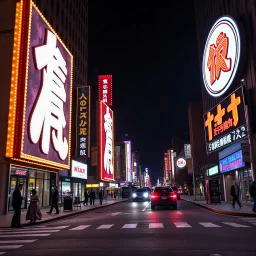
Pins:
x: 226, y: 122
x: 128, y: 160
x: 83, y: 121
x: 105, y: 89
x: 106, y: 142
x: 39, y: 124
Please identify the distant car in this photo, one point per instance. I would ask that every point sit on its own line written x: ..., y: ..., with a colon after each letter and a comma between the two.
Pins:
x: 163, y: 196
x: 176, y: 191
x: 141, y: 194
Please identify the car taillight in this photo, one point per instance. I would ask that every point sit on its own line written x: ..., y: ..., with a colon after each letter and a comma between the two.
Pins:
x: 153, y: 196
x: 173, y: 196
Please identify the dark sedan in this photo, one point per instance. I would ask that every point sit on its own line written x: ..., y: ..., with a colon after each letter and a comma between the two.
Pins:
x: 141, y: 194
x: 163, y: 196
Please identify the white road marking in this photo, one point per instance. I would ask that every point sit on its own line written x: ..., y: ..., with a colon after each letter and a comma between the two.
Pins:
x: 33, y: 228
x: 125, y: 213
x: 31, y: 232
x: 108, y: 226
x: 156, y: 225
x: 130, y: 226
x: 7, y: 247
x: 181, y: 225
x: 114, y: 213
x: 81, y: 227
x: 179, y: 212
x: 24, y: 235
x: 17, y: 241
x: 235, y: 225
x: 208, y: 225
x: 146, y: 206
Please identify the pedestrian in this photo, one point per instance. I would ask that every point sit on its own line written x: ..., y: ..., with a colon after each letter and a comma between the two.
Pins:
x: 55, y: 200
x: 235, y: 190
x: 33, y: 213
x: 253, y: 194
x: 92, y: 197
x: 85, y: 197
x: 101, y: 196
x: 16, y: 204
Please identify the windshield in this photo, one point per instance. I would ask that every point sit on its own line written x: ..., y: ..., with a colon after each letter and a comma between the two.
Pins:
x: 163, y: 190
x: 141, y: 190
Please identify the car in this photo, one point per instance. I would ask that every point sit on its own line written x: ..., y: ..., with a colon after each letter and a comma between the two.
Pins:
x: 141, y: 194
x: 163, y: 196
x: 176, y: 191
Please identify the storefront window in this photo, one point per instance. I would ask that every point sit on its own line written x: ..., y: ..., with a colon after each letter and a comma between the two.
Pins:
x: 77, y: 190
x: 47, y: 189
x: 39, y: 190
x: 66, y: 189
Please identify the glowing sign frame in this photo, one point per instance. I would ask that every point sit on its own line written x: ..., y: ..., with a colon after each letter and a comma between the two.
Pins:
x: 184, y: 163
x: 19, y: 85
x: 101, y: 143
x: 228, y: 26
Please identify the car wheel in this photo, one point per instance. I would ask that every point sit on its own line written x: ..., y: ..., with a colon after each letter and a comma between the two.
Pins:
x: 153, y: 207
x: 174, y: 207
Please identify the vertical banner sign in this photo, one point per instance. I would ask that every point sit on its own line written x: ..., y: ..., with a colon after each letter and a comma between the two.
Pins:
x: 105, y: 89
x: 83, y: 121
x: 39, y: 122
x: 106, y: 142
x: 187, y: 151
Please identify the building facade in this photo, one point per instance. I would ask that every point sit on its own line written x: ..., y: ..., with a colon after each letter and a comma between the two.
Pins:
x: 229, y: 136
x: 26, y: 30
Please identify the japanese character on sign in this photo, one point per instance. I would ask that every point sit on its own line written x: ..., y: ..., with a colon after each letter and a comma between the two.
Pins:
x: 48, y: 119
x: 108, y: 159
x: 218, y: 60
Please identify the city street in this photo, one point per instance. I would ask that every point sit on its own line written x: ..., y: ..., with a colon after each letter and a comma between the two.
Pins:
x: 132, y: 228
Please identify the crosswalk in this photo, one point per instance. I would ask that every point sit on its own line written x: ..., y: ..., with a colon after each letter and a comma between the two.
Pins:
x: 251, y: 220
x: 11, y: 239
x: 179, y: 224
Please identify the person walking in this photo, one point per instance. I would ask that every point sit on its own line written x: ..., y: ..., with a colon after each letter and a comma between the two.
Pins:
x: 86, y: 197
x: 55, y: 200
x: 235, y: 190
x: 92, y: 197
x: 253, y: 194
x: 101, y: 196
x: 16, y: 204
x: 33, y: 213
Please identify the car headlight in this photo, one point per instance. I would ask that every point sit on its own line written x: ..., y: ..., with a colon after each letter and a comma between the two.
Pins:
x: 145, y: 194
x: 134, y: 194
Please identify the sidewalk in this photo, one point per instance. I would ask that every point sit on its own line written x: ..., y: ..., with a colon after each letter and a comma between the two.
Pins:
x: 5, y: 220
x: 223, y: 208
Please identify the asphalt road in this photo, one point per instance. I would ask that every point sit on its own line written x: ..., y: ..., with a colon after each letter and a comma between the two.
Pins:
x: 132, y: 228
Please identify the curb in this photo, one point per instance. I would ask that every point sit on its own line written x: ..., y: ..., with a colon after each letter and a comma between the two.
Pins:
x: 239, y: 214
x: 69, y: 215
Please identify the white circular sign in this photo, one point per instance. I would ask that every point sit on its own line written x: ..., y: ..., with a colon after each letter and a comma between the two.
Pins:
x: 221, y: 56
x: 181, y: 162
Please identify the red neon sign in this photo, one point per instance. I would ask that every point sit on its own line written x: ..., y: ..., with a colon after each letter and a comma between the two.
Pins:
x: 105, y: 89
x: 106, y: 142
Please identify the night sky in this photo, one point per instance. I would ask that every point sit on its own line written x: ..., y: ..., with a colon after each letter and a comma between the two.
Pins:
x: 150, y: 48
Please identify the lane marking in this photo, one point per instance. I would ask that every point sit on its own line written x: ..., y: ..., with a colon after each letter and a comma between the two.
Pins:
x: 17, y: 241
x: 146, y: 206
x: 31, y: 232
x: 24, y: 235
x: 156, y: 225
x: 181, y: 225
x: 235, y: 225
x: 81, y: 227
x: 34, y: 228
x: 130, y: 226
x: 108, y: 226
x: 114, y: 213
x: 7, y: 247
x: 209, y: 225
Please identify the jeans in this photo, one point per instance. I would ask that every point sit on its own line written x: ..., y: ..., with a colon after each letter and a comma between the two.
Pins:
x: 254, y: 205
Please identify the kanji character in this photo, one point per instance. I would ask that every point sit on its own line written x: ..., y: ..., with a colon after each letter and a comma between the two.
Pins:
x: 48, y: 119
x: 217, y: 59
x: 82, y: 123
x: 82, y: 97
x: 208, y: 124
x: 233, y: 107
x: 83, y: 115
x: 83, y: 131
x: 83, y: 139
x: 220, y: 113
x: 83, y: 145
